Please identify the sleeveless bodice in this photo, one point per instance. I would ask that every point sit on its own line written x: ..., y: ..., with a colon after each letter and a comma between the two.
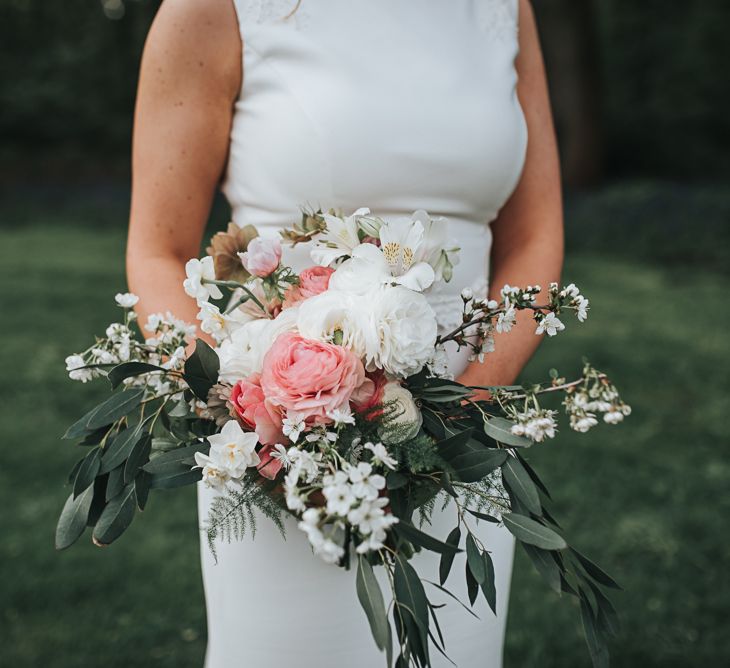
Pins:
x: 395, y: 105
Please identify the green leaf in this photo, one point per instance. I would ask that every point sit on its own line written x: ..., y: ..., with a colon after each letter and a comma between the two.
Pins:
x: 137, y: 458
x: 447, y: 558
x: 201, y: 369
x: 533, y: 533
x: 598, y: 574
x: 117, y: 406
x: 596, y: 644
x: 521, y: 484
x: 371, y: 599
x: 448, y: 593
x: 545, y: 565
x: 116, y: 517
x: 418, y: 537
x: 455, y: 445
x: 180, y: 410
x: 446, y: 484
x: 409, y: 593
x: 172, y: 480
x: 472, y: 586
x: 396, y: 480
x: 72, y: 522
x: 130, y: 369
x: 482, y: 516
x: 478, y: 463
x: 176, y: 459
x: 489, y: 588
x: 142, y: 489
x: 474, y: 560
x: 499, y: 429
x: 80, y: 427
x: 88, y: 471
x: 115, y: 483
x: 118, y: 448
x: 533, y: 474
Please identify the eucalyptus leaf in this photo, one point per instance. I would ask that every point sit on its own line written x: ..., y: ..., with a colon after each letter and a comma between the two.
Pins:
x: 87, y: 472
x: 371, y: 599
x: 176, y: 459
x: 422, y: 539
x: 115, y: 407
x: 118, y: 448
x: 478, y: 463
x: 173, y: 480
x: 116, y: 517
x: 447, y: 558
x: 474, y: 560
x: 545, y: 564
x: 201, y: 369
x: 130, y: 369
x: 472, y: 586
x: 500, y: 429
x: 482, y: 516
x: 409, y: 593
x: 72, y: 522
x: 596, y: 643
x: 598, y: 574
x: 115, y: 483
x: 521, y: 484
x: 533, y: 533
x: 137, y: 458
x: 396, y: 480
x: 489, y: 588
x: 142, y: 489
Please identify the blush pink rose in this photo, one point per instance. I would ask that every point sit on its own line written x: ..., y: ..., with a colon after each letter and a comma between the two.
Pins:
x: 255, y: 411
x: 368, y: 397
x: 262, y: 256
x: 310, y: 377
x: 312, y: 281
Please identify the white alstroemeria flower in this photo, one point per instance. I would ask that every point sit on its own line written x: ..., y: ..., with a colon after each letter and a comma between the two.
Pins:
x: 213, y: 476
x: 293, y: 425
x: 436, y: 247
x: 74, y: 366
x: 233, y: 450
x: 506, y: 320
x: 197, y: 271
x: 220, y: 325
x: 126, y: 299
x: 402, y: 244
x: 365, y: 483
x: 339, y: 239
x: 381, y: 455
x: 342, y: 415
x: 550, y: 324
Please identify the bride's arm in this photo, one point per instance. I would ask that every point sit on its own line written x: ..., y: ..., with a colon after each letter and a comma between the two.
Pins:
x: 189, y: 78
x: 528, y: 234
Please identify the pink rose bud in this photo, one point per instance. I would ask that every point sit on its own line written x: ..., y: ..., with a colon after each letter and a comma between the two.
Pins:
x: 262, y: 257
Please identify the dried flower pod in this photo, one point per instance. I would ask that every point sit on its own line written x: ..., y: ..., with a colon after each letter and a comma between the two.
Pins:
x: 224, y: 248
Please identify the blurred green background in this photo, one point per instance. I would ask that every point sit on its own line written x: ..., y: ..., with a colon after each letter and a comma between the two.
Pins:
x: 641, y: 97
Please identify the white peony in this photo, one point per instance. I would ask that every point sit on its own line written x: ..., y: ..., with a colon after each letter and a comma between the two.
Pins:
x: 401, y: 332
x: 400, y: 412
x: 243, y: 353
x: 286, y: 321
x: 334, y: 315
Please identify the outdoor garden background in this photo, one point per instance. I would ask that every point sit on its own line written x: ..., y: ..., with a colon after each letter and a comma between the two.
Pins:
x: 641, y: 95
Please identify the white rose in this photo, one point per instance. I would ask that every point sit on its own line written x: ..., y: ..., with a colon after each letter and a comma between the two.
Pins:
x: 243, y: 353
x: 400, y: 412
x: 321, y: 316
x: 401, y: 335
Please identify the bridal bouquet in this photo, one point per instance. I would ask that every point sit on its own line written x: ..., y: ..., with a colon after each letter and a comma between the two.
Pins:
x: 328, y: 399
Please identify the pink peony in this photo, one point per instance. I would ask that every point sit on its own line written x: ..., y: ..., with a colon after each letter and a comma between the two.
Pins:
x: 255, y: 411
x: 312, y: 281
x: 310, y: 377
x: 262, y: 256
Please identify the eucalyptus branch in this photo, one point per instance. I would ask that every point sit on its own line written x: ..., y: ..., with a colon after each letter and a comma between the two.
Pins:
x: 235, y: 285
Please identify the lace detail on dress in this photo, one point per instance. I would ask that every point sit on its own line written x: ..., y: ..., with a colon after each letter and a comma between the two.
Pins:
x: 272, y: 11
x: 498, y: 18
x: 450, y: 307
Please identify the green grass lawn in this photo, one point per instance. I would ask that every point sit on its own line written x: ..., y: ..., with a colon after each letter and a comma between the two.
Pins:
x: 648, y: 499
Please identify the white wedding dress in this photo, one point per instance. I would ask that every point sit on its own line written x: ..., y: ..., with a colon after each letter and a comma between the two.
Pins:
x: 395, y: 105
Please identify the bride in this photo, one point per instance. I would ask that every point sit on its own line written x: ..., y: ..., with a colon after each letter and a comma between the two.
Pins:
x: 395, y: 105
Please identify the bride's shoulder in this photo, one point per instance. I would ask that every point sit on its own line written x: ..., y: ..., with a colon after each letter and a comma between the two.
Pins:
x: 196, y: 38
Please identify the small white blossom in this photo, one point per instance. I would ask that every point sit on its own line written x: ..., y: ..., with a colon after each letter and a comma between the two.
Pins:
x: 338, y: 492
x: 506, y: 320
x: 341, y: 416
x: 381, y: 455
x: 74, y: 366
x: 583, y: 424
x: 582, y: 306
x: 370, y: 516
x: 281, y: 454
x: 550, y: 324
x: 213, y: 476
x: 198, y: 271
x: 366, y: 484
x: 467, y: 294
x: 613, y: 417
x: 126, y: 299
x: 293, y: 425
